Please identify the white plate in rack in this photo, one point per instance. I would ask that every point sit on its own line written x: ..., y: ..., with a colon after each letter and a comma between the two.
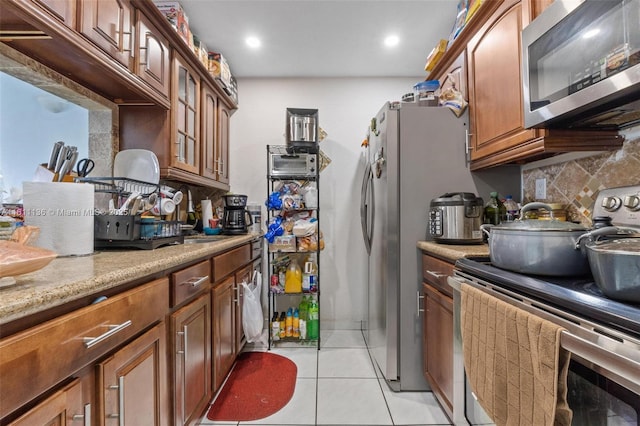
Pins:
x: 138, y: 164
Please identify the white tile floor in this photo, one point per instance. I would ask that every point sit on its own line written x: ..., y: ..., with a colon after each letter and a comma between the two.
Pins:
x: 337, y: 385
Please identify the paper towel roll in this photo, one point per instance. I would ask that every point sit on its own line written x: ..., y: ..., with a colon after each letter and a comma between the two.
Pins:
x: 64, y: 214
x: 207, y: 212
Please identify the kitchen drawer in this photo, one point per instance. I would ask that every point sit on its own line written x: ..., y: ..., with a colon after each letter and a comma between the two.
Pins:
x: 189, y: 282
x: 435, y: 272
x: 256, y: 249
x: 228, y: 262
x: 38, y: 358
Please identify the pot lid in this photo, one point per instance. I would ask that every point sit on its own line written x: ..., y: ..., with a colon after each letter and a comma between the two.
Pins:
x: 629, y: 245
x: 539, y: 225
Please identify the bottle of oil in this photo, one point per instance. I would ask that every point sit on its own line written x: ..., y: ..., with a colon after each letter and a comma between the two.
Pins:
x: 494, y: 211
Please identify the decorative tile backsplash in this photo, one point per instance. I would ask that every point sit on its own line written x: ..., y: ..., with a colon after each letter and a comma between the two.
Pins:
x: 575, y: 183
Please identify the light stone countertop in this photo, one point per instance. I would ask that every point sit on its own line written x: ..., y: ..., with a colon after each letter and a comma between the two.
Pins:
x: 66, y: 279
x: 453, y: 252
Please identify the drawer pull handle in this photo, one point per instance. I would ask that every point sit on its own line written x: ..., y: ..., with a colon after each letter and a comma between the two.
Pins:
x: 113, y: 329
x: 195, y: 281
x: 435, y: 275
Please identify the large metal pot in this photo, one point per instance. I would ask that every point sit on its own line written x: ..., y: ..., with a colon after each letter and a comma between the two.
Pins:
x: 537, y: 247
x: 615, y: 265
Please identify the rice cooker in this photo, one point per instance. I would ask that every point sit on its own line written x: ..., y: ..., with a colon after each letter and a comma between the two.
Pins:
x: 455, y: 218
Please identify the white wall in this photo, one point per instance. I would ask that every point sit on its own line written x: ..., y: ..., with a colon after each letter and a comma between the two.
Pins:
x: 345, y: 108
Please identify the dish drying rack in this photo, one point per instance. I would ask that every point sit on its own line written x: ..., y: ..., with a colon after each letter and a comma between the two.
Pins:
x: 130, y: 231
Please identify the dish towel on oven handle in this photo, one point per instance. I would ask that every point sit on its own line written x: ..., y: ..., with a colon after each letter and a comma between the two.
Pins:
x: 514, y: 362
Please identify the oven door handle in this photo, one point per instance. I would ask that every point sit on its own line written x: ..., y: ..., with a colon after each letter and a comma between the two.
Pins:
x: 627, y: 370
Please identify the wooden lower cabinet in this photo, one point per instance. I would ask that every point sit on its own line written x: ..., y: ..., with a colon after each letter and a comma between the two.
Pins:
x: 64, y: 407
x: 438, y: 345
x: 437, y: 337
x: 132, y: 383
x: 191, y: 338
x: 223, y: 324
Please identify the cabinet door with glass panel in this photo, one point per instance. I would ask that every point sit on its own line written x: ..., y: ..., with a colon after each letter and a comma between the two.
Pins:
x: 185, y: 108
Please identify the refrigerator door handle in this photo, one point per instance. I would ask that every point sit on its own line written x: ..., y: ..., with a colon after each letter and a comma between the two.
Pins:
x: 365, y: 202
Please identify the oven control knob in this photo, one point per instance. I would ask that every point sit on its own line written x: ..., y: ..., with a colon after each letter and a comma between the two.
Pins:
x: 632, y: 202
x: 611, y: 203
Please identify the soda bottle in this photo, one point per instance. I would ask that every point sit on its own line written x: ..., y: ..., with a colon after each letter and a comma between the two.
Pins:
x: 303, y: 308
x: 313, y: 324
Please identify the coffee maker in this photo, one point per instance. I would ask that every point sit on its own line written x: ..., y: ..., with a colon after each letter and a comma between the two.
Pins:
x: 234, y: 218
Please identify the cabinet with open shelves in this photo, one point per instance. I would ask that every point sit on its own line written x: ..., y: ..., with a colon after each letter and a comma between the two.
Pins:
x: 293, y: 235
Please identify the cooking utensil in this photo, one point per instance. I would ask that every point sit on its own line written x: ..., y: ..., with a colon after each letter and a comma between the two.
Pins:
x: 84, y: 167
x: 615, y: 265
x: 53, y: 160
x: 62, y: 157
x: 538, y: 247
x: 68, y: 164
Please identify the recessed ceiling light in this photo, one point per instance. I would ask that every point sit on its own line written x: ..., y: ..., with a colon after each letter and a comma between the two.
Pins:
x: 391, y: 41
x: 253, y: 42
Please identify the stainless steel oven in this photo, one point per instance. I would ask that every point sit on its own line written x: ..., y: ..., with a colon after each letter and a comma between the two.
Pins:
x: 604, y: 373
x: 581, y: 65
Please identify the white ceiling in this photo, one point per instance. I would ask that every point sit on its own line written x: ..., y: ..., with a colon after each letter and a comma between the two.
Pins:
x: 322, y: 38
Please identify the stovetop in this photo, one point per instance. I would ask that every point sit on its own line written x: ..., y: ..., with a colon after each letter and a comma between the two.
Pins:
x: 580, y: 295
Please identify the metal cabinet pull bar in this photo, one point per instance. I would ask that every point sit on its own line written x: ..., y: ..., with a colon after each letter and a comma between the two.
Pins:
x: 113, y: 329
x: 195, y: 281
x: 435, y: 274
x: 121, y: 400
x: 418, y: 302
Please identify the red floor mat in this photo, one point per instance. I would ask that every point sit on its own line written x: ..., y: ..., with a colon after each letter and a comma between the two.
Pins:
x: 260, y: 384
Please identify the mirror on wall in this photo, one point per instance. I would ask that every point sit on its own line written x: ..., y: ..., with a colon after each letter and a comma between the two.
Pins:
x: 31, y: 121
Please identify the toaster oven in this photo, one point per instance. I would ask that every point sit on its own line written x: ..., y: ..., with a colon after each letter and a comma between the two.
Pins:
x: 286, y: 165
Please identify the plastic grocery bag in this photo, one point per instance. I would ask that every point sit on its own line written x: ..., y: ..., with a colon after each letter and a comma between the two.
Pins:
x: 252, y: 317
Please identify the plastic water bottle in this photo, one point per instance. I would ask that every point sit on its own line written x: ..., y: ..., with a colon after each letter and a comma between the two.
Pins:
x: 512, y: 208
x: 314, y: 320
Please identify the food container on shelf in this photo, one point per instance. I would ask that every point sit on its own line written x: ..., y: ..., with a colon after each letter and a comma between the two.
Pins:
x: 426, y: 92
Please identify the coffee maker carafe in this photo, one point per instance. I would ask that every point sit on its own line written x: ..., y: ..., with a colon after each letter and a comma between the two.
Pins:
x: 234, y: 219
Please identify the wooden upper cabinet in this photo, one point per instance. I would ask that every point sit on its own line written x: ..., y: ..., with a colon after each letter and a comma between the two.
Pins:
x: 109, y: 24
x: 496, y: 110
x: 152, y: 55
x: 209, y: 133
x: 495, y: 83
x: 63, y: 10
x: 185, y: 109
x: 224, y: 118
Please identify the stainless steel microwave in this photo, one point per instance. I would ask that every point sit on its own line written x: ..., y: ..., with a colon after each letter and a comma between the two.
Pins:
x: 581, y: 65
x: 292, y: 165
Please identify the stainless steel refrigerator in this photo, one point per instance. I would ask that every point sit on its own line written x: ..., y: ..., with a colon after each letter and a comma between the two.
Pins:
x: 415, y: 154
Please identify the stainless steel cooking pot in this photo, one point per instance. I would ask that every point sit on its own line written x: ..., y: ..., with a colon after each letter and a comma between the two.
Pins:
x: 615, y: 265
x: 538, y: 247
